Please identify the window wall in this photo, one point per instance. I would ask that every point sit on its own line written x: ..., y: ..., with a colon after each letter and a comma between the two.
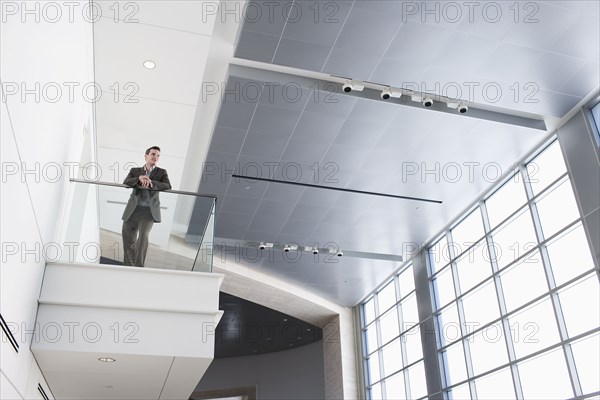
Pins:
x: 392, y: 351
x: 516, y: 297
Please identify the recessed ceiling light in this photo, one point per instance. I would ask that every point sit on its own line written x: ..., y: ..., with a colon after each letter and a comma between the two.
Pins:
x: 149, y: 64
x: 107, y: 359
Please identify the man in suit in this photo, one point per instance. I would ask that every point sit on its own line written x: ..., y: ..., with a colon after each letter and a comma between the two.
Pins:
x: 143, y: 207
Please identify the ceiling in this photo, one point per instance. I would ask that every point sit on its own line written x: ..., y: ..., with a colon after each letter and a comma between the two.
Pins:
x: 357, y: 142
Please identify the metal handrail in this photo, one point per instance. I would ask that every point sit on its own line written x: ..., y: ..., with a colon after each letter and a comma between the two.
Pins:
x: 100, y: 183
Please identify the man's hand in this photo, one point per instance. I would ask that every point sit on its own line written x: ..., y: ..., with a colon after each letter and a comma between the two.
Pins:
x: 145, y: 181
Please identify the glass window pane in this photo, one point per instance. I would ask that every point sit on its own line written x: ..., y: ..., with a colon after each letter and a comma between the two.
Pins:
x: 468, y: 231
x: 373, y: 363
x: 444, y: 288
x: 546, y: 168
x: 587, y: 360
x: 407, y: 281
x: 488, y: 349
x: 449, y: 325
x: 498, y: 385
x: 473, y: 268
x: 376, y: 392
x: 545, y: 377
x: 570, y: 255
x: 461, y: 392
x: 559, y: 198
x: 481, y: 306
x: 514, y: 238
x: 418, y: 384
x: 394, y: 387
x: 389, y: 326
x: 410, y: 314
x: 456, y: 369
x: 386, y: 297
x: 392, y: 358
x: 506, y: 200
x: 524, y: 281
x: 371, y: 338
x: 369, y: 309
x: 439, y: 255
x: 412, y: 344
x: 580, y: 303
x: 534, y: 328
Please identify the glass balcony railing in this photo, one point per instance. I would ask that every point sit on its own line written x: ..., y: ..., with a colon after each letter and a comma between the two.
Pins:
x: 96, y: 229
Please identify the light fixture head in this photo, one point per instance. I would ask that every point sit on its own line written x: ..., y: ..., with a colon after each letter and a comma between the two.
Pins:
x: 286, y: 248
x: 262, y: 246
x: 351, y: 85
x: 386, y: 94
x: 462, y: 108
x: 315, y: 250
x: 149, y: 64
x: 107, y: 359
x: 340, y: 253
x: 427, y: 101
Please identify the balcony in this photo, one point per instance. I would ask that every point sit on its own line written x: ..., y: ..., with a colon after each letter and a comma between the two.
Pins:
x: 110, y: 331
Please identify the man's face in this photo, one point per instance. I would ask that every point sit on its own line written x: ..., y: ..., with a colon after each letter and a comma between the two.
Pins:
x: 152, y: 157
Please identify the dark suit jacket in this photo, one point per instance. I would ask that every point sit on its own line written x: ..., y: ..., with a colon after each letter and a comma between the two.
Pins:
x: 160, y: 181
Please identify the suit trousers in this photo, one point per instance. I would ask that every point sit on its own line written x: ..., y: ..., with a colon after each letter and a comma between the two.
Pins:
x: 135, y: 236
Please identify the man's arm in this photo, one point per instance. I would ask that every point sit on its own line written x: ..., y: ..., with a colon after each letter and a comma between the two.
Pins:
x: 131, y: 180
x: 163, y: 184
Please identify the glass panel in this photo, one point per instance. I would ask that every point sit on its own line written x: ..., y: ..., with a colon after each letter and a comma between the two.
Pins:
x: 101, y: 206
x: 390, y: 328
x: 474, y: 266
x: 534, y: 328
x: 439, y: 255
x: 570, y: 255
x: 456, y: 369
x: 371, y: 338
x: 409, y: 312
x: 461, y: 392
x: 546, y: 377
x: 418, y: 384
x: 481, y: 306
x: 373, y: 363
x: 369, y: 309
x: 204, y: 257
x: 506, y: 200
x: 394, y: 387
x: 580, y: 303
x: 444, y: 288
x: 386, y: 297
x: 407, y: 281
x: 488, y: 349
x: 376, y: 392
x: 559, y: 198
x: 413, y: 345
x: 449, y: 325
x: 587, y: 360
x: 392, y: 358
x: 514, y: 238
x: 498, y: 385
x: 546, y: 168
x: 524, y: 281
x: 468, y: 231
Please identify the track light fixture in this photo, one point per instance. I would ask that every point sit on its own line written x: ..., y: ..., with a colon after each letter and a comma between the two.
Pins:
x: 462, y: 108
x: 351, y: 85
x: 427, y: 101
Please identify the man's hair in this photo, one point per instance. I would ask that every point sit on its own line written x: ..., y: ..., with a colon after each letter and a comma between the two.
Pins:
x: 152, y: 148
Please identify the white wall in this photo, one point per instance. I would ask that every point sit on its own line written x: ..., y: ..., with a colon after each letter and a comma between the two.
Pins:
x: 40, y: 132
